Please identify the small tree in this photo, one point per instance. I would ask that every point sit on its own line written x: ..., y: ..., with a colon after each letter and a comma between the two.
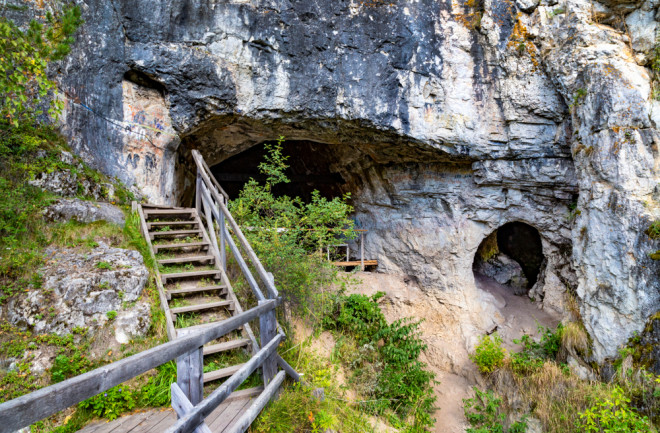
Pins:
x: 24, y: 59
x: 286, y: 232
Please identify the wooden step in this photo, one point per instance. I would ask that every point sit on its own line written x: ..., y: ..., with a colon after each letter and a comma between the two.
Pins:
x: 176, y: 275
x: 176, y: 232
x: 179, y: 245
x: 188, y: 259
x: 198, y: 307
x: 170, y: 223
x: 168, y: 212
x: 223, y: 290
x: 223, y: 372
x: 227, y: 345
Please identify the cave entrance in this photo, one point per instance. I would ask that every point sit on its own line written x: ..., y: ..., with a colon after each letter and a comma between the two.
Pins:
x: 312, y: 166
x: 512, y: 255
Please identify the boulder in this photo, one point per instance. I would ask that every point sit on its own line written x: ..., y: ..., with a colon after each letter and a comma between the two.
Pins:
x: 84, y: 211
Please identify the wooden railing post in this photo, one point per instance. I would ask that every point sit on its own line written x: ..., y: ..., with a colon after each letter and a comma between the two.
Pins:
x: 268, y: 329
x: 362, y: 251
x: 190, y: 373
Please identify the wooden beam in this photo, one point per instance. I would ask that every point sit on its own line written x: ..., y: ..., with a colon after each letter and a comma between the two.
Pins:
x: 234, y: 249
x: 208, y: 405
x: 171, y: 332
x: 357, y: 263
x: 255, y: 409
x: 267, y: 329
x: 40, y: 404
x: 272, y: 291
x: 182, y: 406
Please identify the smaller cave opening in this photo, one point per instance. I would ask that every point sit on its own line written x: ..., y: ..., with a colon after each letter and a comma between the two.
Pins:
x: 312, y: 166
x: 512, y: 255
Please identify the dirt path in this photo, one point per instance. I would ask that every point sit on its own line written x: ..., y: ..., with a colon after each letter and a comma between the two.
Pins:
x: 447, y: 355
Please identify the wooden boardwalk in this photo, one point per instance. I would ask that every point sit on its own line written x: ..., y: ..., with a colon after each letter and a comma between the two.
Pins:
x: 156, y: 421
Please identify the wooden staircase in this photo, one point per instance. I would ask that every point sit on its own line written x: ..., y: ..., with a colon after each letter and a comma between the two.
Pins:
x: 194, y: 284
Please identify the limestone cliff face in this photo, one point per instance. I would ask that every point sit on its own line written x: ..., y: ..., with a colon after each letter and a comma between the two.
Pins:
x: 448, y: 119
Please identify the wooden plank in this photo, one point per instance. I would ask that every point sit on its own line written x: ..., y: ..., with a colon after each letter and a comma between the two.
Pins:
x: 223, y: 290
x: 227, y: 345
x: 175, y: 232
x: 198, y: 307
x: 255, y: 409
x: 204, y: 409
x: 124, y: 423
x: 168, y: 212
x: 177, y: 275
x: 189, y: 259
x: 267, y: 330
x: 128, y: 423
x: 169, y: 323
x: 165, y: 422
x: 189, y: 370
x: 142, y: 423
x: 182, y: 406
x: 153, y: 224
x: 221, y: 373
x: 179, y: 245
x: 232, y: 412
x: 28, y: 409
x: 357, y: 263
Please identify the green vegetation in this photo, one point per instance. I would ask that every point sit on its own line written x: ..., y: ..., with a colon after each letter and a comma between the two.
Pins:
x: 385, y: 367
x: 489, y: 353
x: 297, y: 410
x: 111, y: 315
x: 111, y: 403
x: 287, y: 233
x: 24, y: 59
x: 613, y: 414
x: 548, y: 390
x: 485, y: 415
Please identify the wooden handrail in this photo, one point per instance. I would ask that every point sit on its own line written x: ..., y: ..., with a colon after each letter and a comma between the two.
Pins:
x: 234, y: 249
x: 40, y: 404
x: 197, y: 415
x: 270, y: 287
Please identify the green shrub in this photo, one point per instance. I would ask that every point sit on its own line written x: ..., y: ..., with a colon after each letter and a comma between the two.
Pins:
x: 489, y: 353
x: 111, y: 315
x: 111, y: 403
x: 613, y: 414
x: 484, y: 414
x: 388, y: 358
x: 103, y: 265
x: 287, y: 233
x: 533, y: 354
x: 65, y: 366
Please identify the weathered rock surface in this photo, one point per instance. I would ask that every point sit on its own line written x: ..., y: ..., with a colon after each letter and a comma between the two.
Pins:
x: 447, y: 119
x: 80, y: 288
x: 84, y: 211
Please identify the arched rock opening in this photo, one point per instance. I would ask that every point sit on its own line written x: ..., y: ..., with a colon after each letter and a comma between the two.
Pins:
x: 512, y: 255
